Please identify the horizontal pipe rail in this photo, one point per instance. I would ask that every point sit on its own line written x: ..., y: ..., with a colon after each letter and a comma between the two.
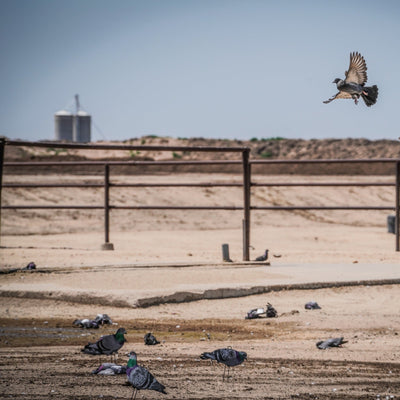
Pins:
x: 51, y: 185
x: 102, y: 163
x: 53, y: 207
x: 323, y: 207
x: 324, y: 184
x: 115, y: 207
x: 55, y: 145
x: 328, y: 161
x: 57, y: 185
x: 201, y: 184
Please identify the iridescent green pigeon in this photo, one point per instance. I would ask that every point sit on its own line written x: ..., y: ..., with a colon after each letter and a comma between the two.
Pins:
x: 107, y: 345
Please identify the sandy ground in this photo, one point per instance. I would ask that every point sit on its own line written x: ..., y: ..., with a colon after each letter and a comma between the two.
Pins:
x: 40, y: 348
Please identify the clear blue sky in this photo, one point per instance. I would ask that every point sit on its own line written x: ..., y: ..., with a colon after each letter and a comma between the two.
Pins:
x: 232, y: 69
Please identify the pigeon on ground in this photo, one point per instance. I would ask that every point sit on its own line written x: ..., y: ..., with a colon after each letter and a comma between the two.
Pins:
x: 150, y: 339
x: 271, y: 312
x: 312, y: 305
x: 352, y: 87
x: 103, y: 319
x: 100, y: 320
x: 140, y: 378
x: 108, y: 345
x: 86, y: 323
x: 227, y: 356
x: 30, y: 266
x: 264, y: 257
x: 255, y: 313
x: 110, y: 369
x: 335, y: 342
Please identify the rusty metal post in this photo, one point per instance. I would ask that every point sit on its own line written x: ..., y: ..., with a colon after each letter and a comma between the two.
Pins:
x: 246, y: 204
x: 2, y: 145
x: 107, y: 245
x: 397, y: 220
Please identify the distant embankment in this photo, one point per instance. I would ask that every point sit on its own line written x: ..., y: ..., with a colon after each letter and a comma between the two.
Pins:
x: 261, y: 149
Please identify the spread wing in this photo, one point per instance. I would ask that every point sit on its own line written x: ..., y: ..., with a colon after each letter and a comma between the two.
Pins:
x: 357, y: 72
x: 339, y: 95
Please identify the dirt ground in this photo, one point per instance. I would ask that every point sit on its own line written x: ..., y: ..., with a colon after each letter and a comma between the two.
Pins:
x: 41, y: 358
x: 40, y: 347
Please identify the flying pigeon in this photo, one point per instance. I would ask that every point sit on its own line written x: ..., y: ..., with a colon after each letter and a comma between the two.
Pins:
x: 140, y: 378
x: 352, y: 87
x: 312, y: 305
x: 108, y: 345
x: 336, y: 342
x: 110, y: 369
x: 150, y: 339
x: 264, y: 257
x: 227, y: 356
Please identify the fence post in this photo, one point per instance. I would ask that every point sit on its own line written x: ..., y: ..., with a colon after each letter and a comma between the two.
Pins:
x: 397, y: 219
x: 2, y: 145
x: 107, y: 245
x: 246, y: 204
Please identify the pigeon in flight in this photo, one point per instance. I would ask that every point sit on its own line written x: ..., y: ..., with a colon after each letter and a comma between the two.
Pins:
x: 352, y: 87
x: 140, y: 378
x: 227, y: 356
x: 336, y: 342
x: 108, y: 345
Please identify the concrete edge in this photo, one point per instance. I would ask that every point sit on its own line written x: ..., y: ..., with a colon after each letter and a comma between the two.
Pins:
x: 184, y: 297
x: 107, y: 267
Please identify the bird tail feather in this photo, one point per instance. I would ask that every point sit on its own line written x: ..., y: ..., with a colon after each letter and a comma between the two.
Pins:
x: 208, y: 356
x: 371, y: 96
x: 91, y: 348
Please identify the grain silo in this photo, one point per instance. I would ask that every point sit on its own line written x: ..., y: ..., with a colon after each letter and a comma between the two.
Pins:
x: 73, y: 127
x: 82, y: 123
x: 63, y: 125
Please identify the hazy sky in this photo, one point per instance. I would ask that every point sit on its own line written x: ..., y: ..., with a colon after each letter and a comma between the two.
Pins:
x: 233, y: 69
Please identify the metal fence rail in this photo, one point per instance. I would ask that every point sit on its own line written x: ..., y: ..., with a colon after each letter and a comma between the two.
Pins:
x: 246, y: 184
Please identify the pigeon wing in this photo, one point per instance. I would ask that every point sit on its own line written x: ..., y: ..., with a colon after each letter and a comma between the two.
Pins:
x: 138, y: 377
x: 357, y: 72
x: 339, y: 95
x: 109, y: 344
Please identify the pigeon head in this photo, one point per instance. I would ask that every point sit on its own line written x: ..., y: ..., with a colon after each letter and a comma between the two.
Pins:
x: 337, y: 80
x: 132, y: 362
x: 121, y: 331
x: 242, y: 355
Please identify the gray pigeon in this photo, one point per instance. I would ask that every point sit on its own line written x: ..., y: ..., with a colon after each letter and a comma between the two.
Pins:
x: 312, y: 305
x: 335, y: 342
x: 110, y: 369
x: 227, y: 356
x: 103, y: 319
x: 86, y: 323
x: 140, y: 378
x: 264, y: 257
x: 150, y: 339
x: 352, y: 87
x: 108, y: 345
